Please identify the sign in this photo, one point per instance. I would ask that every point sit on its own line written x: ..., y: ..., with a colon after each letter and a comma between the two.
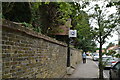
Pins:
x: 72, y: 33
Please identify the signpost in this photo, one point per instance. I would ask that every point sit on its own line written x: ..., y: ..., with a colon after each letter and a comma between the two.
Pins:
x: 72, y: 33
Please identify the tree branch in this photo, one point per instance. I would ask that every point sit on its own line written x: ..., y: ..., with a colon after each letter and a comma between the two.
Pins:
x: 117, y: 31
x: 105, y: 36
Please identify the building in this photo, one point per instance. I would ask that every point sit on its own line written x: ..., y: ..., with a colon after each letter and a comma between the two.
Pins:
x: 114, y: 48
x: 97, y: 51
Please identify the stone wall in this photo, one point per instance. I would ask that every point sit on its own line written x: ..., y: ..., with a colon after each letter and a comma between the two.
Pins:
x: 27, y: 54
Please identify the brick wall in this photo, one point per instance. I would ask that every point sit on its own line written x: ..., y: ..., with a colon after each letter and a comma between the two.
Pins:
x: 0, y: 50
x: 76, y: 57
x: 27, y: 54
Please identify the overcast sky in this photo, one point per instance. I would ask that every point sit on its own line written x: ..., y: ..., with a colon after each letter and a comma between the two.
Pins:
x: 110, y: 11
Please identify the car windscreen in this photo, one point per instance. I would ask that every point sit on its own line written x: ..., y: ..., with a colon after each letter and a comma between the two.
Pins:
x: 96, y: 54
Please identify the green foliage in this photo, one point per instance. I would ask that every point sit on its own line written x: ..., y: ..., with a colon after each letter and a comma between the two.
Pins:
x: 84, y: 40
x: 112, y: 52
x: 104, y: 53
x: 7, y: 6
x: 15, y: 11
x: 27, y: 24
x: 31, y: 27
x: 117, y: 55
x: 105, y: 25
x: 1, y: 16
x: 66, y: 10
x: 105, y: 63
x: 45, y: 17
x: 116, y: 3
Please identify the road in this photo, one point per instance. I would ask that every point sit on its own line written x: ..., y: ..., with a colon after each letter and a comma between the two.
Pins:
x: 105, y: 72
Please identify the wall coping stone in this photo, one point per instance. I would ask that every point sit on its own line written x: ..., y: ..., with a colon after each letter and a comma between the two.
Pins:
x: 76, y: 49
x: 21, y: 28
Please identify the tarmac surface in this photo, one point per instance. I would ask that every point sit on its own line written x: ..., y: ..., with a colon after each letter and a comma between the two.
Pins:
x: 86, y: 70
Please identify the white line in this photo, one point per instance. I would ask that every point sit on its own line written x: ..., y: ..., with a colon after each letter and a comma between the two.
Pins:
x: 95, y: 63
x: 97, y: 66
x: 104, y: 74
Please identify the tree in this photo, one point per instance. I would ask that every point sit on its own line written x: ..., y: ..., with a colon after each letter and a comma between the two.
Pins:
x: 44, y: 17
x: 117, y: 4
x: 14, y: 11
x: 102, y: 30
x: 84, y: 39
x: 80, y: 22
x: 41, y: 15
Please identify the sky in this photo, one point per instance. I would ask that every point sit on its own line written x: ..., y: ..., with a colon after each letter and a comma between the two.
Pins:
x: 111, y: 10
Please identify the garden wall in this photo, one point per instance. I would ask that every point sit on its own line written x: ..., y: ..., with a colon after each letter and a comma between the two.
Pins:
x: 28, y: 54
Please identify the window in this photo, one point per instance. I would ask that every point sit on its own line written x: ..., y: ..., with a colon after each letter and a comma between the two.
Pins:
x: 117, y: 66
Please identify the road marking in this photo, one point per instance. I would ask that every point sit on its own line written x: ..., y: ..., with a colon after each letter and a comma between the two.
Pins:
x: 95, y: 63
x: 104, y: 74
x: 97, y: 66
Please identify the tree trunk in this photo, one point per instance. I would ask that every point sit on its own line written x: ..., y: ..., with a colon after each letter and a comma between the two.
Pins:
x: 100, y: 62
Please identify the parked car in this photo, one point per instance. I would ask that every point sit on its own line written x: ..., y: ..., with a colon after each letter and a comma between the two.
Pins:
x: 95, y: 57
x: 115, y: 72
x: 109, y: 61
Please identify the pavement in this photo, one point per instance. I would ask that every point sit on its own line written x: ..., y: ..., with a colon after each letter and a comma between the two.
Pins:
x: 86, y: 70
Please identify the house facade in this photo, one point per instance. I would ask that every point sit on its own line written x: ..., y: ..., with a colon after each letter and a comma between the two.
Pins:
x: 114, y: 48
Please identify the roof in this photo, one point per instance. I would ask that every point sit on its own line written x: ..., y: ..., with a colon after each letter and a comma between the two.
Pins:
x: 113, y: 48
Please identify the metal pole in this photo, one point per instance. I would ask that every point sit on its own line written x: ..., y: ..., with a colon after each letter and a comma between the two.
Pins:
x: 68, y: 53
